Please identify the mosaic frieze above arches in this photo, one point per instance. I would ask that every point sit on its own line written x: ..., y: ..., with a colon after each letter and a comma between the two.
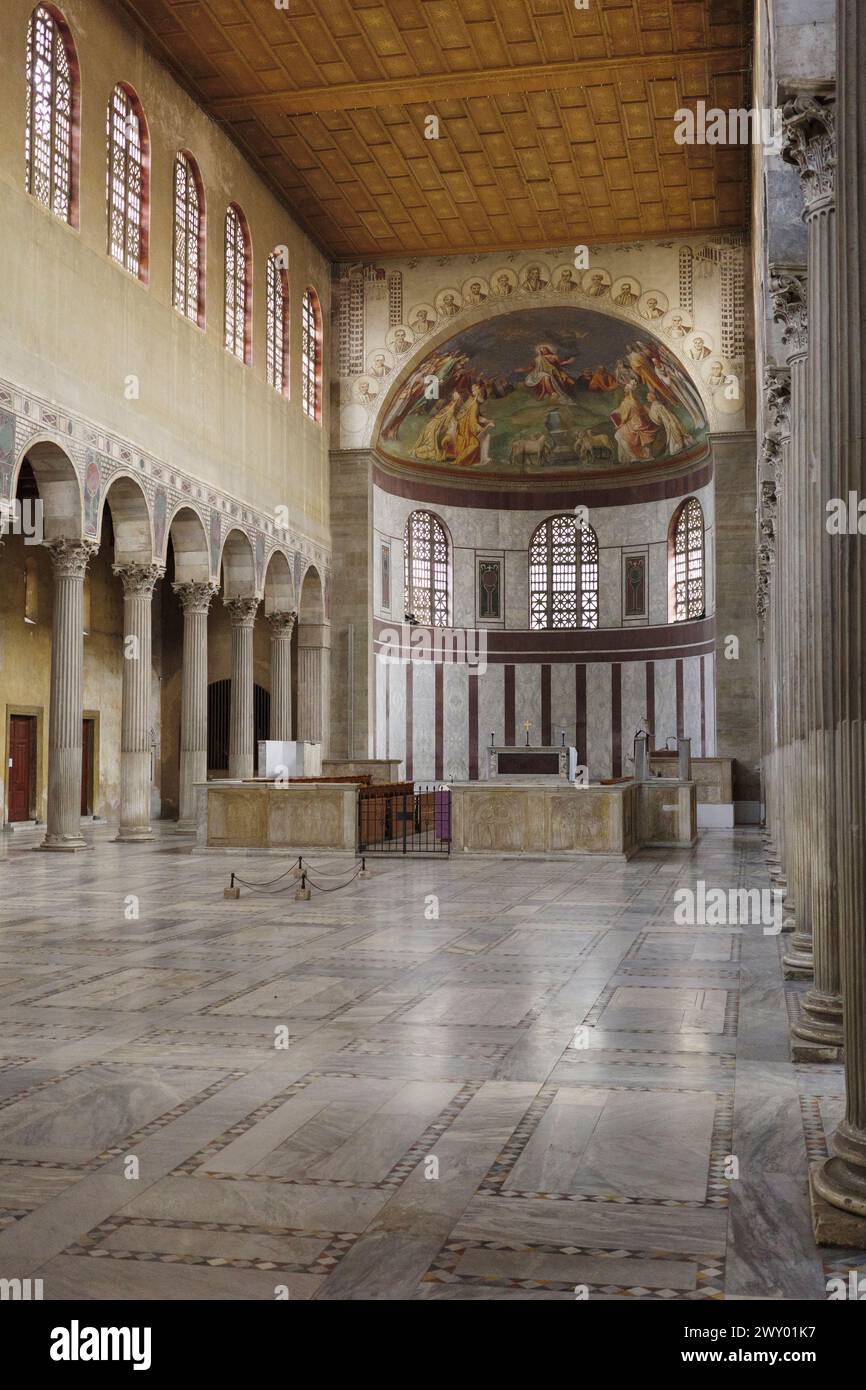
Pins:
x: 687, y: 295
x: 98, y: 457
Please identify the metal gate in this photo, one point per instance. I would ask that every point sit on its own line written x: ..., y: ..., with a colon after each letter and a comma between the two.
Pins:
x: 404, y: 822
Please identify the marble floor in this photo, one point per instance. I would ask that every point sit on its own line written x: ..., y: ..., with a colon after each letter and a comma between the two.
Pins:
x: 451, y: 1080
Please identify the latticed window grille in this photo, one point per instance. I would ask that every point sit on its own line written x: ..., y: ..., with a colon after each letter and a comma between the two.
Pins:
x: 688, y: 561
x: 425, y: 560
x: 187, y: 240
x: 277, y: 335
x: 311, y: 349
x: 48, y: 129
x: 237, y: 284
x: 563, y: 575
x: 125, y: 182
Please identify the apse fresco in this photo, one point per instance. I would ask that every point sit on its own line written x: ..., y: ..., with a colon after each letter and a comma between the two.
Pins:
x: 541, y: 391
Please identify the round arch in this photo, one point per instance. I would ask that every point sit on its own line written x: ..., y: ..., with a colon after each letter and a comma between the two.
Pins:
x: 59, y: 489
x: 130, y: 516
x: 311, y: 607
x: 279, y: 588
x: 189, y: 543
x: 238, y: 565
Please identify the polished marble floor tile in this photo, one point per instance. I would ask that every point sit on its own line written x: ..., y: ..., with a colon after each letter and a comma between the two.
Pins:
x: 344, y: 1099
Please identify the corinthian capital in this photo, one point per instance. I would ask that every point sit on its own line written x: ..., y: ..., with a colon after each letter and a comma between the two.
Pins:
x: 777, y: 397
x: 788, y: 292
x: 138, y: 580
x: 70, y: 558
x: 281, y: 624
x: 242, y: 611
x: 809, y: 143
x: 194, y: 596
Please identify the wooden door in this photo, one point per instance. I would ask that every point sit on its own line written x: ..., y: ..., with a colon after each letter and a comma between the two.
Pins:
x: 87, y: 739
x: 22, y: 770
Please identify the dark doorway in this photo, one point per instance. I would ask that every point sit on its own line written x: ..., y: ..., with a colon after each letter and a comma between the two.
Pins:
x: 88, y: 745
x: 219, y: 705
x: 22, y: 766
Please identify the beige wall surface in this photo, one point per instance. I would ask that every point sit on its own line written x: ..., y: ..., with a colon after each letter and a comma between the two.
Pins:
x: 74, y: 325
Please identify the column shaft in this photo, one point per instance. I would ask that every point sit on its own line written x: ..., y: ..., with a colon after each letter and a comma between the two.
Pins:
x: 135, y: 747
x: 63, y: 832
x: 841, y: 1181
x: 281, y: 625
x: 241, y: 722
x: 195, y: 598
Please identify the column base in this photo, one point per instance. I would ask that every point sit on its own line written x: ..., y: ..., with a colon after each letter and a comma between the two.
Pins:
x: 838, y: 1198
x: 133, y: 836
x: 818, y: 1035
x: 798, y: 960
x: 64, y: 844
x: 185, y: 826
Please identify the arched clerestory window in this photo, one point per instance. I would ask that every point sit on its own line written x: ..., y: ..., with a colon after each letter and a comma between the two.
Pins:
x: 563, y: 575
x: 686, y: 562
x: 426, y: 569
x: 188, y: 250
x: 127, y: 181
x: 238, y: 271
x: 278, y: 323
x: 311, y: 355
x: 52, y: 121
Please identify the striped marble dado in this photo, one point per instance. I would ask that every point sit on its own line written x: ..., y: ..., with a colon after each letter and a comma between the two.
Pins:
x: 438, y: 718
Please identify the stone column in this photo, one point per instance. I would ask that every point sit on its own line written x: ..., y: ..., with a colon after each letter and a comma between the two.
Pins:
x: 841, y: 1180
x: 794, y: 805
x: 810, y: 144
x: 69, y: 558
x: 241, y: 728
x: 281, y: 625
x: 135, y: 750
x: 314, y: 655
x: 194, y: 597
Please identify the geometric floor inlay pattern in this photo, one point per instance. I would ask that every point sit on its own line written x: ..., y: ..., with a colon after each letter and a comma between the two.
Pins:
x: 545, y: 1089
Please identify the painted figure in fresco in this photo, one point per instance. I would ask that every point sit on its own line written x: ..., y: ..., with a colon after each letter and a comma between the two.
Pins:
x: 380, y: 367
x: 449, y: 307
x: 678, y: 328
x: 401, y: 344
x: 597, y: 285
x: 626, y: 298
x: 566, y: 280
x: 652, y: 310
x: 438, y: 439
x: 533, y: 280
x: 716, y: 375
x: 547, y: 375
x: 472, y: 446
x: 598, y: 380
x: 675, y: 436
x: 699, y: 351
x: 476, y: 295
x: 422, y: 324
x: 503, y: 285
x: 635, y: 432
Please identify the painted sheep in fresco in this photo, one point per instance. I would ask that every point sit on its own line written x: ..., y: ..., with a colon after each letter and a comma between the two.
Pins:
x: 590, y: 446
x: 532, y: 451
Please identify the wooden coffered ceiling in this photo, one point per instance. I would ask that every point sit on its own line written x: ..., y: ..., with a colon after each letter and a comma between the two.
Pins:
x: 555, y: 123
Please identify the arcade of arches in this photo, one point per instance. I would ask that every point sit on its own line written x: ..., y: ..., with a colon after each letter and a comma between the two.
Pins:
x: 287, y: 385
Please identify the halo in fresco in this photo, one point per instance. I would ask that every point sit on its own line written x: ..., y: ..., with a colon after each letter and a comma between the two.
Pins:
x: 557, y: 389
